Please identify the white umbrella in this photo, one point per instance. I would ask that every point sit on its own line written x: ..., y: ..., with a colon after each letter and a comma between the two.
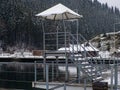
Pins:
x: 59, y: 12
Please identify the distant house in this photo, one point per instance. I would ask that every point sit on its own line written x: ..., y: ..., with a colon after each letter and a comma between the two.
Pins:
x: 86, y: 49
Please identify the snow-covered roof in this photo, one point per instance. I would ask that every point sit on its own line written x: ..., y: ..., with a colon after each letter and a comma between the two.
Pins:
x: 59, y: 12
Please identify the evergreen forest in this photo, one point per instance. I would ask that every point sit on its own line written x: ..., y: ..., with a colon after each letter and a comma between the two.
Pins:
x: 19, y: 25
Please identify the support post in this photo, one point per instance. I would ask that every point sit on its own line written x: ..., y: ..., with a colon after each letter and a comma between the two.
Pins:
x: 66, y: 75
x: 43, y: 35
x: 52, y: 71
x: 77, y: 33
x: 84, y: 84
x: 111, y: 77
x: 66, y: 56
x: 44, y: 69
x: 116, y: 77
x: 64, y: 86
x: 57, y: 39
x: 57, y: 67
x: 47, y: 77
x: 78, y: 72
x: 44, y: 55
x: 35, y: 69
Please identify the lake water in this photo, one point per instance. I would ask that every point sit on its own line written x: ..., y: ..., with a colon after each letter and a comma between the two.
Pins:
x: 30, y: 77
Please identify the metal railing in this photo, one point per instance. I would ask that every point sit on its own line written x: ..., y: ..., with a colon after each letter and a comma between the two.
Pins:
x: 93, y: 66
x: 51, y: 76
x: 58, y: 41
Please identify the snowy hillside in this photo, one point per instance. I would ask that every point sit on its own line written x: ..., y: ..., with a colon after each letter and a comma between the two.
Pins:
x: 107, y: 42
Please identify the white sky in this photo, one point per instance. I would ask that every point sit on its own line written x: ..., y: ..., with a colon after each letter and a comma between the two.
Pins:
x: 111, y: 3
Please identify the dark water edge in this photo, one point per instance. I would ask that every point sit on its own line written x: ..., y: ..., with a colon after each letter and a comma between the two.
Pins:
x: 19, y: 75
x: 12, y: 86
x: 20, y: 89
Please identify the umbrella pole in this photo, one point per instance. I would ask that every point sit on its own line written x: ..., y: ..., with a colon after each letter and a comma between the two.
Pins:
x: 57, y: 37
x: 66, y: 62
x: 57, y: 74
x: 44, y: 56
x: 78, y: 66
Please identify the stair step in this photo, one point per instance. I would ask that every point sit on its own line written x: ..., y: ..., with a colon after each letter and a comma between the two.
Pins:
x: 83, y: 61
x: 97, y: 79
x: 89, y: 70
x: 96, y: 75
x: 55, y: 53
x: 78, y: 57
x: 87, y: 67
x: 93, y: 73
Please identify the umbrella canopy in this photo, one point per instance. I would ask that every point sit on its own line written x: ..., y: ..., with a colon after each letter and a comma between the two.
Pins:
x: 59, y: 12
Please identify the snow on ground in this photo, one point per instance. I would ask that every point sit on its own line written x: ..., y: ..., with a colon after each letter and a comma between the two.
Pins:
x: 104, y: 54
x: 109, y: 76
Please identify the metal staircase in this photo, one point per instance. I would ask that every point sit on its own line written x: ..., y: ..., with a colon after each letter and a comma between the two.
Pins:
x: 90, y: 71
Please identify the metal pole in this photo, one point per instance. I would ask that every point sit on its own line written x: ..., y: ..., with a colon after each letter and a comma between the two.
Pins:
x: 43, y: 35
x: 115, y: 63
x: 73, y: 50
x: 84, y: 84
x: 52, y: 71
x: 78, y: 72
x: 44, y: 68
x: 64, y: 86
x: 116, y: 77
x: 57, y: 38
x: 114, y: 37
x: 66, y: 75
x: 77, y: 31
x: 47, y: 77
x: 44, y: 56
x: 35, y: 69
x: 111, y: 77
x: 57, y: 66
x: 78, y: 68
x: 57, y: 56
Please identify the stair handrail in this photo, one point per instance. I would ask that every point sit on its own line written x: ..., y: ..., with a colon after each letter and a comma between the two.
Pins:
x: 87, y: 53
